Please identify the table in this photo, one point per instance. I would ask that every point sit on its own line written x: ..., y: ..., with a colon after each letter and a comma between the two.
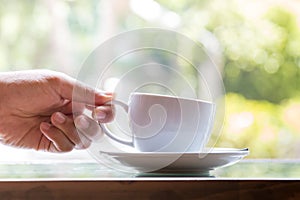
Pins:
x: 248, y: 179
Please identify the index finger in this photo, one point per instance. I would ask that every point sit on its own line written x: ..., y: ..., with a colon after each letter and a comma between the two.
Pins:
x: 72, y: 89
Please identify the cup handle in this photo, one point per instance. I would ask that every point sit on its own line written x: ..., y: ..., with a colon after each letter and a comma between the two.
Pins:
x: 109, y: 133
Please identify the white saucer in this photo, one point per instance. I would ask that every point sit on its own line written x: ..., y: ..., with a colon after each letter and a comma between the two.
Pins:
x: 170, y: 162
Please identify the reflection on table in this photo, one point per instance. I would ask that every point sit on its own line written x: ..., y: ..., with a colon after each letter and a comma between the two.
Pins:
x: 247, y: 168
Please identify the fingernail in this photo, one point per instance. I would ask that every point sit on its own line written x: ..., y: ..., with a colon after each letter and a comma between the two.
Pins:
x: 83, y: 123
x: 45, y: 126
x: 59, y: 118
x: 100, y: 115
x: 105, y: 92
x: 108, y: 93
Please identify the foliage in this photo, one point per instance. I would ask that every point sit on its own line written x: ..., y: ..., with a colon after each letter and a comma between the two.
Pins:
x: 261, y: 52
x: 264, y: 56
x: 268, y: 130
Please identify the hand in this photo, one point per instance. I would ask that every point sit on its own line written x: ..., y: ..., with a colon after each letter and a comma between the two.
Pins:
x: 86, y: 131
x: 37, y: 109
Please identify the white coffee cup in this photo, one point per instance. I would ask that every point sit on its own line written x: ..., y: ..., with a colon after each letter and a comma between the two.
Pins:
x: 161, y: 123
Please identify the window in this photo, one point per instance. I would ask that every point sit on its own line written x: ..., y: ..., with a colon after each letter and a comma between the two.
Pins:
x: 259, y: 49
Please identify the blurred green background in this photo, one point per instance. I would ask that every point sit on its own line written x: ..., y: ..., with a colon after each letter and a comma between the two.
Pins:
x: 257, y: 43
